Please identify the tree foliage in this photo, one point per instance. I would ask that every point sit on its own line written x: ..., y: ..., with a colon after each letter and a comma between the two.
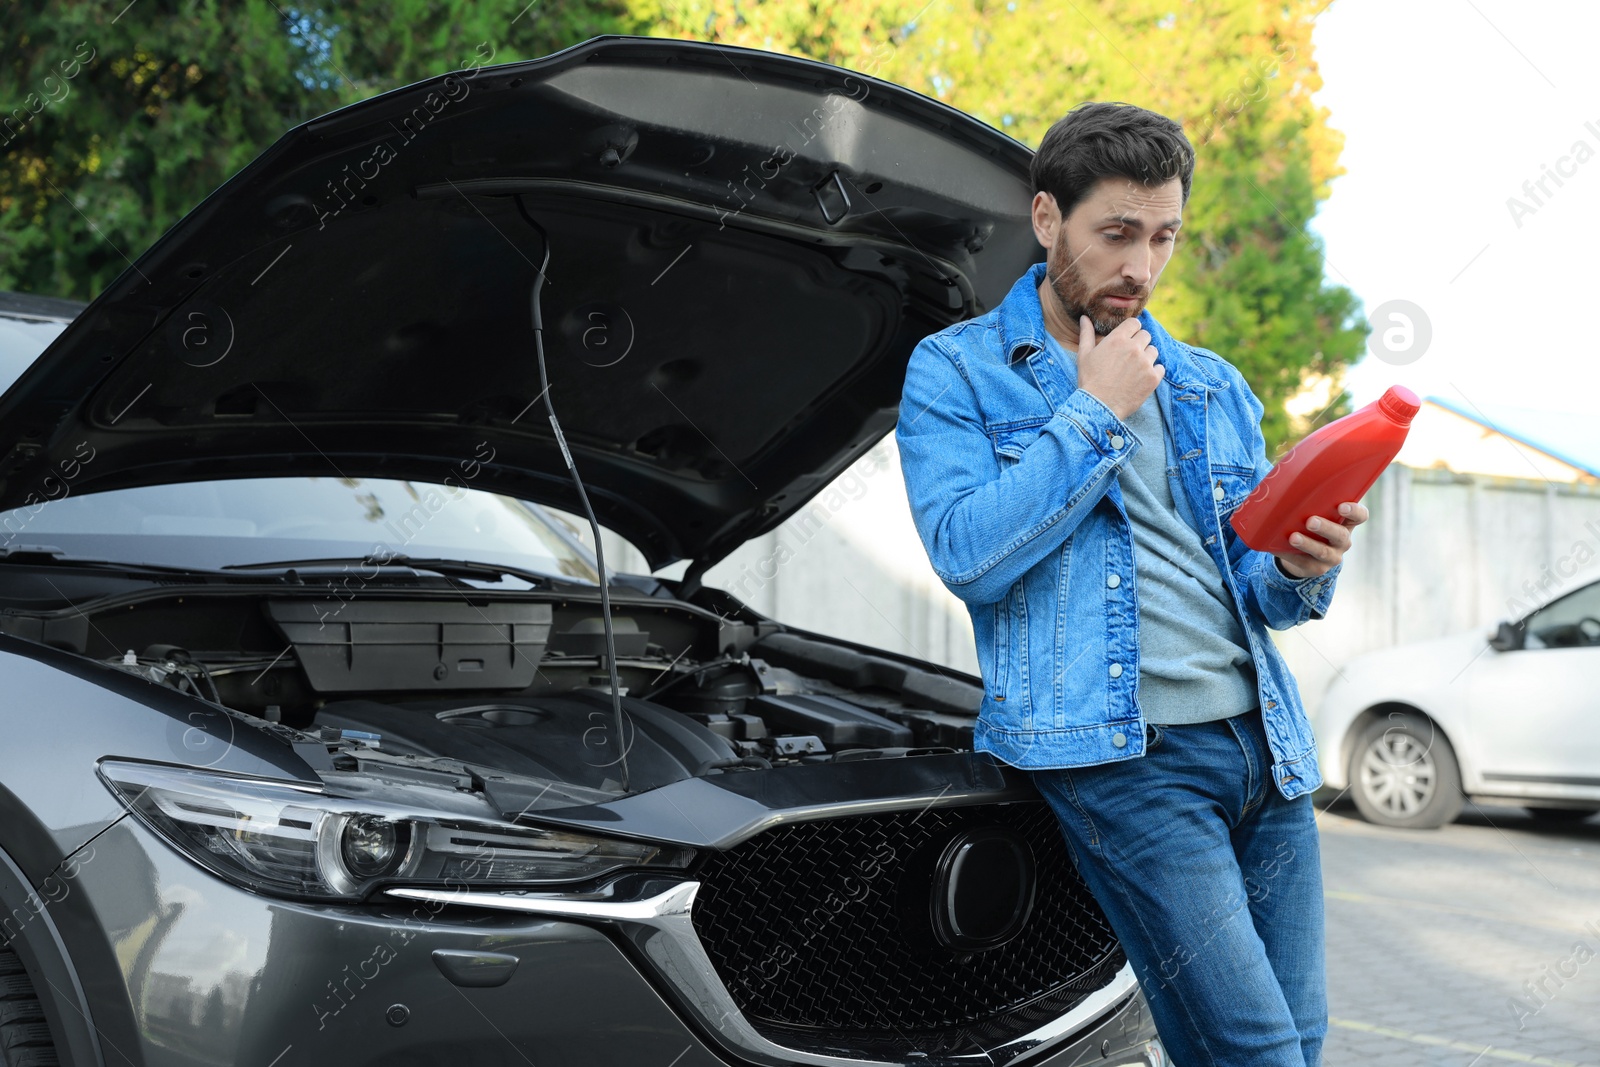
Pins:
x: 175, y: 96
x: 168, y: 98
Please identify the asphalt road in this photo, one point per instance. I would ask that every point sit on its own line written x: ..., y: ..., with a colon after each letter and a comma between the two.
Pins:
x: 1476, y: 945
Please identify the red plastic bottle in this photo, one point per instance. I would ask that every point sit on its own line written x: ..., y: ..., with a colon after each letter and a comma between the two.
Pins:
x: 1336, y: 463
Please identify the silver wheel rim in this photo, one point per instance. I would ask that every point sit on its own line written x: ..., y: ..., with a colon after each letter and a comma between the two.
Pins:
x: 1398, y: 774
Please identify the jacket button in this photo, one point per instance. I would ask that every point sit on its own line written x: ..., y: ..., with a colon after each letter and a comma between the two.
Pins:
x: 1116, y: 670
x: 1119, y: 739
x: 1113, y: 581
x: 1117, y: 441
x: 1216, y: 494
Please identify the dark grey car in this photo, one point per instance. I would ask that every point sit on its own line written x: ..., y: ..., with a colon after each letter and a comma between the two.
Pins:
x: 313, y: 747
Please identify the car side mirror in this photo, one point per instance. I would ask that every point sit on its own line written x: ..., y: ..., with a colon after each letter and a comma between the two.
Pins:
x: 1507, y: 637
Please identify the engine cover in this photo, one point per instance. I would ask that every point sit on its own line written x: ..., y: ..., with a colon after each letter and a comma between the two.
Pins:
x: 573, y: 737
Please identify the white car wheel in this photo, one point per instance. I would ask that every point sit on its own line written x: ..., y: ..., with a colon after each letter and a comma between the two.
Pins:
x: 1403, y: 773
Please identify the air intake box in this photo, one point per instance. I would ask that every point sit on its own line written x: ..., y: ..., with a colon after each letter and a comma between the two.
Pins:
x: 375, y: 645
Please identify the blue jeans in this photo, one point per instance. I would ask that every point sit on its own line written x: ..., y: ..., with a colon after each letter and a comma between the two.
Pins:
x: 1213, y: 883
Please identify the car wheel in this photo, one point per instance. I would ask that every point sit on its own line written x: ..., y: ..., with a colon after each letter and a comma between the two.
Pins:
x: 1404, y: 774
x: 1559, y: 816
x: 24, y: 1035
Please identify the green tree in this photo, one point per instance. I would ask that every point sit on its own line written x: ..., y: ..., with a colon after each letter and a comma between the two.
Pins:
x: 1246, y: 280
x: 118, y: 120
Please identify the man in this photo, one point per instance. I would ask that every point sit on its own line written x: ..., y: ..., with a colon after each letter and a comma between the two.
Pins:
x: 1071, y: 468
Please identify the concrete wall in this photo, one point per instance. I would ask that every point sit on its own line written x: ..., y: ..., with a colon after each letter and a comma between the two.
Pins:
x: 1443, y: 552
x: 850, y: 564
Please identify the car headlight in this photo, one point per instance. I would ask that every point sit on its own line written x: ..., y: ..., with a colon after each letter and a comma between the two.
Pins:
x: 292, y: 840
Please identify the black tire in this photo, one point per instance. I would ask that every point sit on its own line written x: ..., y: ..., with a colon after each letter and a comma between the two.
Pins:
x: 1403, y: 773
x: 24, y: 1035
x: 1560, y: 816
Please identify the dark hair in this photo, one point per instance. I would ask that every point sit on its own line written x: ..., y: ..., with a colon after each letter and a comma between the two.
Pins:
x: 1098, y: 140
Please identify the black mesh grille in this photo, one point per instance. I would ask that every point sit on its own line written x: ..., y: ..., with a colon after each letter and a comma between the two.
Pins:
x: 814, y: 928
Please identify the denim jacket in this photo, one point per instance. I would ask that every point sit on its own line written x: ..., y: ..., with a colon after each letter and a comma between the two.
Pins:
x: 1011, y: 472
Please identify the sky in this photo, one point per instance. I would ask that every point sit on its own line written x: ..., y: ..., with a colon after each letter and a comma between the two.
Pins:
x: 1448, y: 107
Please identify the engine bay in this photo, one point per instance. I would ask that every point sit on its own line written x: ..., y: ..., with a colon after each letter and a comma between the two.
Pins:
x: 520, y: 684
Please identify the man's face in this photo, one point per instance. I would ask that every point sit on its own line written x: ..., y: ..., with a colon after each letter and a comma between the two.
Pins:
x: 1105, y: 257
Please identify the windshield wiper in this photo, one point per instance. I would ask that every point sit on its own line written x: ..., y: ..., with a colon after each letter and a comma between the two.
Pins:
x: 50, y: 556
x: 449, y: 568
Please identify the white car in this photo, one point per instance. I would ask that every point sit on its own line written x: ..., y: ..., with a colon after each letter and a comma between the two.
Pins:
x: 1512, y: 716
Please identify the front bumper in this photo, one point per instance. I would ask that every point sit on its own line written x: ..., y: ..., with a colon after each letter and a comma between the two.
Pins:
x: 181, y: 968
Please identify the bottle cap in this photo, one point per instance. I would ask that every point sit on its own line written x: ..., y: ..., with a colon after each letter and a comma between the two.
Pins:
x: 1399, y: 403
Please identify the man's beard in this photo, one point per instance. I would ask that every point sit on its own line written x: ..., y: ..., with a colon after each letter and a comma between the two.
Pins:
x: 1076, y: 300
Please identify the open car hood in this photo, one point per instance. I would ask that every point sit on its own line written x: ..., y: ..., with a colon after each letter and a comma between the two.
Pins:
x: 744, y: 249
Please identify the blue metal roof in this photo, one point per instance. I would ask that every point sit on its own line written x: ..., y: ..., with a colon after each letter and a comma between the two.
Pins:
x: 1571, y: 437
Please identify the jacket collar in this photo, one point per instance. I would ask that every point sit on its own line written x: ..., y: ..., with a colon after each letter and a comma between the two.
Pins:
x: 1022, y: 333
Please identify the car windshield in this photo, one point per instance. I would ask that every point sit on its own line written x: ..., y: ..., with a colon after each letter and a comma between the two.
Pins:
x: 21, y: 341
x: 266, y: 520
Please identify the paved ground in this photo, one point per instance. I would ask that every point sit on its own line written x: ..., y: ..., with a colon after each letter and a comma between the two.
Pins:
x: 1432, y: 933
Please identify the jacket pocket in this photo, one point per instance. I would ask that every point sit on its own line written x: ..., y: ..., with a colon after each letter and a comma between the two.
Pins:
x: 1011, y: 439
x: 1230, y: 485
